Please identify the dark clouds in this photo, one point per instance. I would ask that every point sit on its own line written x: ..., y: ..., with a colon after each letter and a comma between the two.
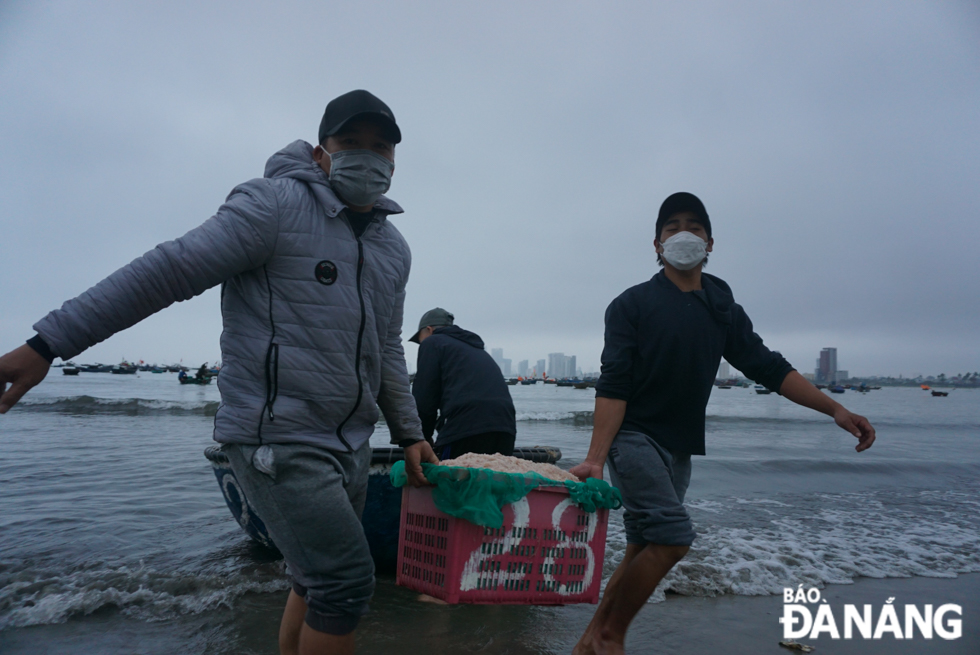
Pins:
x: 836, y: 148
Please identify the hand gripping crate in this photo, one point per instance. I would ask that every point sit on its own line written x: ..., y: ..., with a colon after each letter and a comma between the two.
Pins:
x: 548, y: 552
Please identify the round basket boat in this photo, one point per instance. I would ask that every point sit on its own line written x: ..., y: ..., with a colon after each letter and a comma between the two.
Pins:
x: 382, y: 509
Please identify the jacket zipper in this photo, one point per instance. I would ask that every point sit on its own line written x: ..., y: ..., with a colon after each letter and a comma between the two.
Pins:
x: 271, y: 379
x: 357, y: 355
x: 271, y: 365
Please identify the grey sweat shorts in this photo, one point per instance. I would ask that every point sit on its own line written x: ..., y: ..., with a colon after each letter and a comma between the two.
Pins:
x: 312, y: 508
x: 653, y: 482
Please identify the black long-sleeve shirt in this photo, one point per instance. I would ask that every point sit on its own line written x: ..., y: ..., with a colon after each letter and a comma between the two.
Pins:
x: 662, y: 351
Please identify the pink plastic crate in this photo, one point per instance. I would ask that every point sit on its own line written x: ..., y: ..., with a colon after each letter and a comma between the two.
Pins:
x: 548, y: 552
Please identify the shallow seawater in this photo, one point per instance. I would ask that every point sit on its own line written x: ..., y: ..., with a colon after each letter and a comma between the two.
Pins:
x: 114, y: 536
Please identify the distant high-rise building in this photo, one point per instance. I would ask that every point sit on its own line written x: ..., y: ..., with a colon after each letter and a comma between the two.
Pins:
x: 827, y: 366
x: 497, y: 354
x: 843, y: 375
x: 522, y: 368
x: 724, y: 371
x: 570, y: 367
x: 540, y: 369
x: 505, y: 367
x: 556, y: 365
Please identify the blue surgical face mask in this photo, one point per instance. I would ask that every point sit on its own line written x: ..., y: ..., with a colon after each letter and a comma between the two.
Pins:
x: 359, y: 177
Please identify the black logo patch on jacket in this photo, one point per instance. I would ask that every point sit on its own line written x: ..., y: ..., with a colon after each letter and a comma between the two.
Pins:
x: 326, y: 272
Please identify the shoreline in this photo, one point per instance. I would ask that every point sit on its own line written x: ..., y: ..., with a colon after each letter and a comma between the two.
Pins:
x: 681, y: 624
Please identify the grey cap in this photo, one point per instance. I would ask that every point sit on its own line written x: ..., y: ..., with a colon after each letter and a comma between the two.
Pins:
x: 437, y: 317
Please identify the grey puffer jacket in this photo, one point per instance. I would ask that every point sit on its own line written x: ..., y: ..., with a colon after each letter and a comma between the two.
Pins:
x: 311, y: 345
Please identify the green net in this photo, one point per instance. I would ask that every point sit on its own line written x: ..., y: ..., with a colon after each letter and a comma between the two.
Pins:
x: 478, y: 495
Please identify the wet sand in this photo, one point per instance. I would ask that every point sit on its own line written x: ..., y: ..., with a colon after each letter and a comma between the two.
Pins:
x: 727, y: 624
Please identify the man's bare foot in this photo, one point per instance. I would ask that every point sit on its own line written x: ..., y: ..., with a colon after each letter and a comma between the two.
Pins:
x: 606, y: 646
x: 584, y: 645
x: 426, y: 598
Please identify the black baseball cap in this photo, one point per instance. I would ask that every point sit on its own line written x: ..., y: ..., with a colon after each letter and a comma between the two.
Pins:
x: 357, y: 103
x: 683, y: 202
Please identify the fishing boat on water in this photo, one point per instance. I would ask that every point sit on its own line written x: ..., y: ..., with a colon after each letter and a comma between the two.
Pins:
x: 70, y: 369
x: 183, y: 378
x: 187, y: 379
x: 761, y: 390
x: 382, y: 509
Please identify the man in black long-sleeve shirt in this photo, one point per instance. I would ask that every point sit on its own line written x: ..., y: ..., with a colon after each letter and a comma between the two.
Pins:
x: 664, y: 341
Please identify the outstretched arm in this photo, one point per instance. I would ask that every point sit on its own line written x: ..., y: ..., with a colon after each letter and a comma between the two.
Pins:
x: 800, y: 391
x: 241, y: 236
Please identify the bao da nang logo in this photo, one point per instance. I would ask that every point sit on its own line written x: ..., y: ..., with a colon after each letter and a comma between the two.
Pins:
x: 806, y: 614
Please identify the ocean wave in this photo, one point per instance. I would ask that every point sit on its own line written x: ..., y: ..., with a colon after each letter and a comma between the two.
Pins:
x: 88, y: 405
x: 804, y: 466
x: 816, y: 419
x: 46, y: 597
x: 828, y: 539
x: 745, y: 547
x: 578, y: 418
x: 585, y: 417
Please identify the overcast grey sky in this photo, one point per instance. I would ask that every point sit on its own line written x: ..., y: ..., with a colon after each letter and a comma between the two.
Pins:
x: 835, y: 145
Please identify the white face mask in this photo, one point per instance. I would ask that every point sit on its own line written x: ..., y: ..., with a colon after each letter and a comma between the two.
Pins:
x: 684, y: 250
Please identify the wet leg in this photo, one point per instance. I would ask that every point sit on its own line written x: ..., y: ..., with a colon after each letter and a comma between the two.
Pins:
x: 584, y: 645
x: 291, y: 624
x: 313, y: 642
x: 640, y: 579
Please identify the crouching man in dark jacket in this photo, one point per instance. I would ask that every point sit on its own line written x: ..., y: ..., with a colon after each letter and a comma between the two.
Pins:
x: 459, y: 390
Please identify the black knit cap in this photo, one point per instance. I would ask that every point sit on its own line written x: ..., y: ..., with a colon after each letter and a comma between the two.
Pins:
x: 357, y: 104
x: 683, y: 202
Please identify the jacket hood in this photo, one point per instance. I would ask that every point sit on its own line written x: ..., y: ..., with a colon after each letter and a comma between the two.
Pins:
x: 460, y: 334
x: 295, y: 161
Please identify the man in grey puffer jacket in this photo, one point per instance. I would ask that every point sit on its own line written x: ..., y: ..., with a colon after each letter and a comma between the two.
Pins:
x: 313, y: 279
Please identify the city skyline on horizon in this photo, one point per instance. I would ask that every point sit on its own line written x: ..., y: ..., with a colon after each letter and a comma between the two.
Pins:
x: 533, y: 364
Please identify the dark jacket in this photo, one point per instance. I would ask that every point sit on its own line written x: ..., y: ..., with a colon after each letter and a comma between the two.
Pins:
x: 459, y: 389
x: 662, y: 351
